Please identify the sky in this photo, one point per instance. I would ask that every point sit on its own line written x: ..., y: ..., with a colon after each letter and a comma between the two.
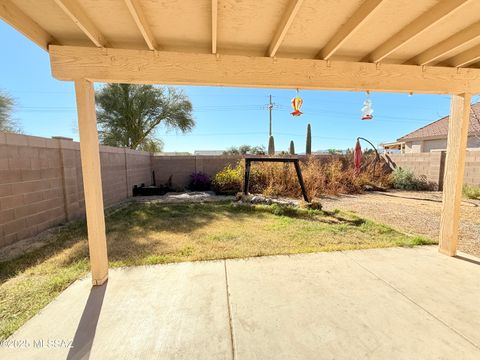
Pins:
x: 224, y: 116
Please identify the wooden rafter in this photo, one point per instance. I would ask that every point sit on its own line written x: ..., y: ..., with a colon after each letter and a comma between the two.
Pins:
x: 139, y: 17
x: 284, y: 25
x: 415, y: 28
x: 468, y: 57
x: 450, y: 44
x: 365, y: 10
x: 75, y: 12
x: 214, y: 25
x: 143, y: 66
x: 12, y: 15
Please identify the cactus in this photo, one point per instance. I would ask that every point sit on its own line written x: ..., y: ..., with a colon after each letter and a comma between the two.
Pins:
x: 271, y: 146
x: 308, y: 149
x: 292, y: 148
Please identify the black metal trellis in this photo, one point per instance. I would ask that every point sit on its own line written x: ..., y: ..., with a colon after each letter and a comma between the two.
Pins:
x: 295, y: 161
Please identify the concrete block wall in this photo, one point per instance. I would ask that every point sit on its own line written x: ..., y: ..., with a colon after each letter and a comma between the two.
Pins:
x: 179, y: 168
x: 41, y: 179
x: 432, y: 166
x: 114, y: 175
x: 31, y: 186
x: 41, y: 182
x: 472, y: 168
x: 139, y: 168
x: 427, y: 165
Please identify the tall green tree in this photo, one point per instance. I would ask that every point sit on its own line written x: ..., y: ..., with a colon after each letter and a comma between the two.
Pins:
x: 245, y: 150
x: 129, y: 115
x: 7, y: 123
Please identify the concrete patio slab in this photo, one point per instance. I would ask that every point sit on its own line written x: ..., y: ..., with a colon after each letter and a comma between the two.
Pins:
x: 373, y: 304
x: 154, y: 312
x: 447, y: 287
x: 327, y: 306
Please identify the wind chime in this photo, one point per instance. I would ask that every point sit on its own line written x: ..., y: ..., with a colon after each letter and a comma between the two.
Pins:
x: 367, y: 110
x: 297, y: 103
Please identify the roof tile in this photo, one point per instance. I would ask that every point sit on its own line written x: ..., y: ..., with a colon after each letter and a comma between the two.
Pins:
x: 440, y: 127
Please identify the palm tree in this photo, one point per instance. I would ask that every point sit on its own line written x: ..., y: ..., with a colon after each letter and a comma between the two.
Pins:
x: 129, y: 115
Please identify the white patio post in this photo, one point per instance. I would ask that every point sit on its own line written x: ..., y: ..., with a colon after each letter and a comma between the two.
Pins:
x: 454, y: 171
x: 92, y: 180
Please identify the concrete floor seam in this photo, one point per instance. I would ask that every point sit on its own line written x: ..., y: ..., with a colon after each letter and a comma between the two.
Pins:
x: 229, y: 309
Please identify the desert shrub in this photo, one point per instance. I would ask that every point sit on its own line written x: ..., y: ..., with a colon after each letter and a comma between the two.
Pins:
x: 405, y: 179
x: 471, y: 191
x: 322, y: 175
x: 200, y: 182
x: 228, y: 180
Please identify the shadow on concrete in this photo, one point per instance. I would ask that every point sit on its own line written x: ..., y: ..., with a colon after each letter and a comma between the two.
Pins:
x: 473, y: 261
x: 403, y: 196
x: 85, y: 334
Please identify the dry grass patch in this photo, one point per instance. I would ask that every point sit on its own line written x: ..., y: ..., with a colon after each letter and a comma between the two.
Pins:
x: 322, y: 175
x: 156, y: 233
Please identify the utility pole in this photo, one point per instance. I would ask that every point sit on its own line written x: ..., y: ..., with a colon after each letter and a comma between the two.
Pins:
x: 270, y: 108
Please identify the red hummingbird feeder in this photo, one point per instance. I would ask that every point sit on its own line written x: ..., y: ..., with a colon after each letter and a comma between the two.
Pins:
x: 297, y: 103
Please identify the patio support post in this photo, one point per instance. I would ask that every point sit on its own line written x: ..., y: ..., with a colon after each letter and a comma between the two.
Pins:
x: 454, y: 171
x: 92, y: 180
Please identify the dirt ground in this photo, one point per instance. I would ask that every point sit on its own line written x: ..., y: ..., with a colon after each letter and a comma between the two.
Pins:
x: 412, y: 212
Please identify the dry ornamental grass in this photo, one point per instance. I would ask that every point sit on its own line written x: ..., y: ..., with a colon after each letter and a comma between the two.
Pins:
x: 322, y: 176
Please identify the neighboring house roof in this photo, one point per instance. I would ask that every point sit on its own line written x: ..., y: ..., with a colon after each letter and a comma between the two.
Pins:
x: 172, y: 153
x: 208, y: 152
x: 439, y: 128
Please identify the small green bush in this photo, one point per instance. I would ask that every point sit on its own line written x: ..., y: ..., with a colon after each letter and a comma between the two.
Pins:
x: 406, y: 180
x: 228, y: 180
x: 199, y: 181
x: 471, y: 191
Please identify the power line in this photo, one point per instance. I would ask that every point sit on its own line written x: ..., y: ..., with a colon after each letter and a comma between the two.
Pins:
x: 234, y: 107
x: 229, y: 108
x: 255, y: 133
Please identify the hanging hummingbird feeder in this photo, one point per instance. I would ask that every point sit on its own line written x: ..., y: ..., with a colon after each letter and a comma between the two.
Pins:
x: 297, y: 103
x: 367, y: 110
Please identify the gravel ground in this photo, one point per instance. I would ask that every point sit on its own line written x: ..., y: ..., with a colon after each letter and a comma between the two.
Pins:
x: 184, y: 197
x: 412, y: 212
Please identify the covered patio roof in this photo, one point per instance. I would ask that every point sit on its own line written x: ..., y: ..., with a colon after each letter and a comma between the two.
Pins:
x: 422, y: 46
x: 441, y: 39
x: 422, y: 32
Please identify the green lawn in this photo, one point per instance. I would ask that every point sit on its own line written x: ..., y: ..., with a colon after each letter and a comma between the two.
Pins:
x: 142, y: 234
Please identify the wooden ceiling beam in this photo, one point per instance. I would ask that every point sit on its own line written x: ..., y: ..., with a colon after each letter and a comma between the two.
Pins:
x: 214, y: 25
x: 16, y: 18
x: 468, y: 57
x: 140, y: 20
x: 75, y: 12
x: 450, y: 44
x: 415, y: 28
x: 284, y: 25
x: 161, y: 67
x: 365, y: 11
